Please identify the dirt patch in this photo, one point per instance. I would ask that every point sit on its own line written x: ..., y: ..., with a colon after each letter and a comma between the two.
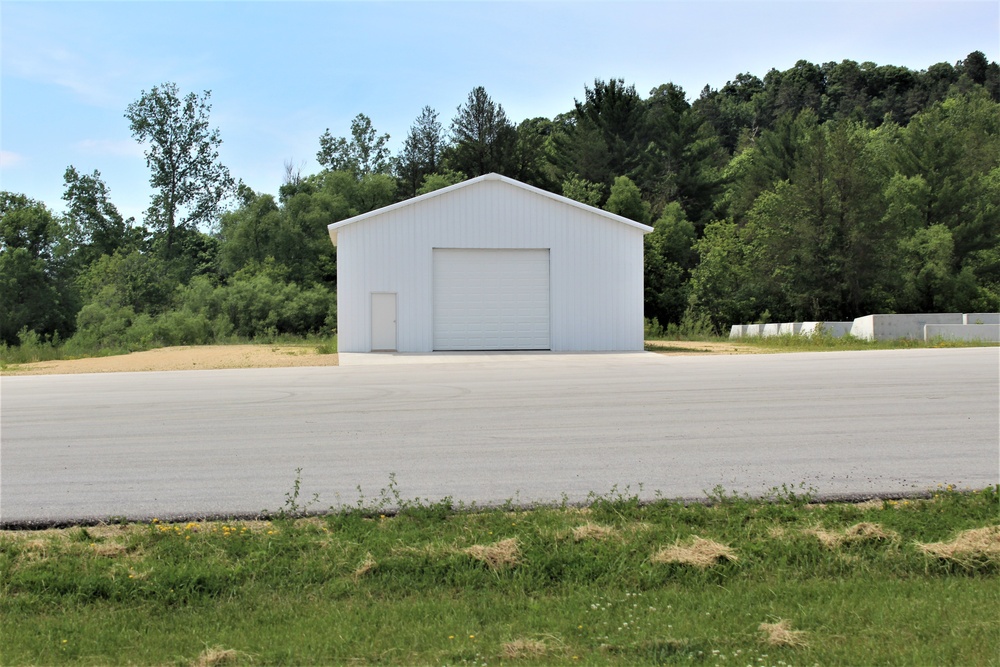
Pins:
x: 184, y: 358
x: 215, y: 357
x: 690, y: 347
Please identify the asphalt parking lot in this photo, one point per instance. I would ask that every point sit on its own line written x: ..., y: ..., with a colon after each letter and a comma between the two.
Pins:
x: 488, y: 428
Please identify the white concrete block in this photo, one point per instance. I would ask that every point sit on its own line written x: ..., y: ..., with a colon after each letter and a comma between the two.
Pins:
x: 835, y: 329
x: 787, y: 328
x: 989, y: 333
x: 770, y: 329
x: 737, y: 331
x: 981, y: 318
x: 889, y: 327
x: 752, y: 330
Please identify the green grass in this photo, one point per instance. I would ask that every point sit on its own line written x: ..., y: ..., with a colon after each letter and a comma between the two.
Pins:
x: 792, y: 343
x: 818, y: 343
x: 359, y: 587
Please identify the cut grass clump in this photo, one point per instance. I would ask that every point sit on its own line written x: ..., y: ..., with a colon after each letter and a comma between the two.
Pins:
x: 972, y: 549
x: 215, y: 656
x: 592, y: 531
x: 698, y: 552
x: 505, y: 553
x: 367, y: 565
x: 859, y: 533
x: 520, y: 649
x: 443, y: 586
x: 781, y: 634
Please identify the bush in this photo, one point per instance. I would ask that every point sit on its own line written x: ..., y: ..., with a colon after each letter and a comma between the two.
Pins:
x: 102, y: 324
x: 260, y: 307
x: 256, y: 306
x: 182, y: 327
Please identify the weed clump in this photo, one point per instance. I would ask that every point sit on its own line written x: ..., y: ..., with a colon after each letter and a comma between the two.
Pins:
x: 781, y: 634
x: 697, y: 552
x: 505, y: 553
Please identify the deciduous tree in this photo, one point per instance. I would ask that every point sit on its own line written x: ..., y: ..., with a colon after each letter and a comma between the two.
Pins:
x: 94, y: 225
x: 182, y: 153
x: 366, y: 152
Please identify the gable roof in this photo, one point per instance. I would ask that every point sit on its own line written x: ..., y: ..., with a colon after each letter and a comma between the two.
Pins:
x: 486, y: 177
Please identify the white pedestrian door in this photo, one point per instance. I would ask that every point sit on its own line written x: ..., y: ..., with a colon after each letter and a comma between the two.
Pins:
x: 383, y: 322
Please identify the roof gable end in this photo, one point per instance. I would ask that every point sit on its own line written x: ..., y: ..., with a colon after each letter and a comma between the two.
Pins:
x: 443, y: 192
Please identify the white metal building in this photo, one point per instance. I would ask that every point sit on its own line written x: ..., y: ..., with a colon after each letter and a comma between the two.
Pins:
x: 489, y: 264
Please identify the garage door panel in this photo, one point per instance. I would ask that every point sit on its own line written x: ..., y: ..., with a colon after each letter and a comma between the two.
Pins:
x: 491, y: 299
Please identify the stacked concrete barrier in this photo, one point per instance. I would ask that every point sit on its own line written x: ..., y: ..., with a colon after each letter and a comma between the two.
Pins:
x: 889, y: 327
x: 923, y: 326
x: 987, y: 333
x: 789, y: 328
x: 835, y: 329
x: 981, y: 318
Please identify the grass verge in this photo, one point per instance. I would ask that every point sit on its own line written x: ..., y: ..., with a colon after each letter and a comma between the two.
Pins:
x: 817, y: 343
x: 737, y: 581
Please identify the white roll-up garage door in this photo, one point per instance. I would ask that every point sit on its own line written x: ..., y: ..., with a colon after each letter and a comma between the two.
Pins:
x: 491, y: 299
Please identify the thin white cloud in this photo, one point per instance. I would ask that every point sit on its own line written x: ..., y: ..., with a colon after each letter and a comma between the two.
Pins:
x: 10, y: 159
x: 64, y: 69
x: 117, y: 147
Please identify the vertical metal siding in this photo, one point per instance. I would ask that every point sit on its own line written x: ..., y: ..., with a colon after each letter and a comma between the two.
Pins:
x: 595, y: 263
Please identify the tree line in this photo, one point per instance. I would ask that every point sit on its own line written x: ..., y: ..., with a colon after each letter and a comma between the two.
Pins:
x: 822, y: 192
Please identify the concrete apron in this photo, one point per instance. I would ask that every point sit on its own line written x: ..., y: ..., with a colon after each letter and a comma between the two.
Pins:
x: 541, y: 356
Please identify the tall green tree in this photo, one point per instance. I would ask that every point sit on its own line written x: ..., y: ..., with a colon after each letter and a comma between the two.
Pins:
x: 35, y: 288
x: 682, y: 160
x: 483, y: 140
x: 532, y: 161
x: 366, y: 152
x: 93, y: 224
x: 616, y: 110
x: 626, y: 200
x: 668, y: 259
x: 582, y: 190
x: 736, y: 111
x: 182, y: 153
x: 421, y: 153
x: 820, y: 250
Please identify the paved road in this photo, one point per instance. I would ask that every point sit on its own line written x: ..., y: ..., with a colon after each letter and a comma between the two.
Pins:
x: 194, y: 443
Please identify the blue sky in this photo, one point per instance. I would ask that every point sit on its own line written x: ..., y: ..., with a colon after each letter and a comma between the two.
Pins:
x: 281, y: 73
